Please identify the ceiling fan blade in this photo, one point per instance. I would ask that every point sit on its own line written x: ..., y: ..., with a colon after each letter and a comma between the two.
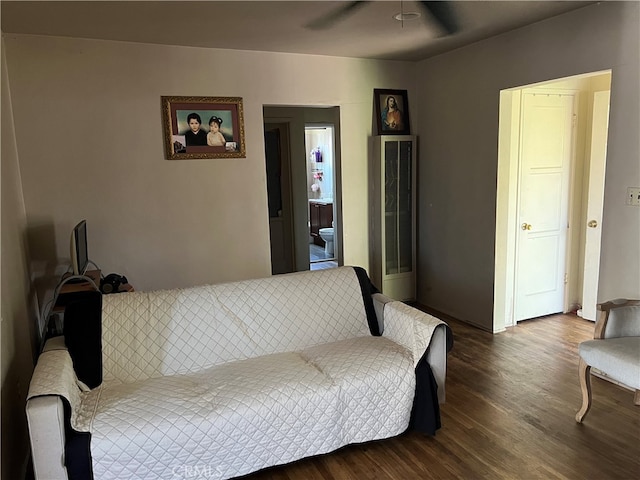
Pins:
x: 329, y: 19
x: 443, y: 13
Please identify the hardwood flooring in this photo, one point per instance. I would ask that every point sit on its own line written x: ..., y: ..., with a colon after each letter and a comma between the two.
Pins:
x: 509, y: 414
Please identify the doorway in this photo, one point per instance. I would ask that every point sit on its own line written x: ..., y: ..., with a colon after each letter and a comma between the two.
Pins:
x: 571, y: 274
x: 320, y: 149
x: 276, y: 141
x: 310, y: 130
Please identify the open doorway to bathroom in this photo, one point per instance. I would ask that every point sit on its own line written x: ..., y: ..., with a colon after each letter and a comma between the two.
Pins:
x: 292, y: 172
x: 319, y: 140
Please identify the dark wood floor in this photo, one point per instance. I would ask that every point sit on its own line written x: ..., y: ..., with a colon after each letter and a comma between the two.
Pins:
x: 511, y: 401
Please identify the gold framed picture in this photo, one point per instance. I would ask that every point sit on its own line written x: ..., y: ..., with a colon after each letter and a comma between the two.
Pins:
x: 203, y: 127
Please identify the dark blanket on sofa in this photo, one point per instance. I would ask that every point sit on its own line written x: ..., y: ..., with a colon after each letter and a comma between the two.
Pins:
x: 425, y: 415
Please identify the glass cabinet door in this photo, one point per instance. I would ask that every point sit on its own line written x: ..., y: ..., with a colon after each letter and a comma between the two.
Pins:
x: 393, y: 215
x: 398, y: 224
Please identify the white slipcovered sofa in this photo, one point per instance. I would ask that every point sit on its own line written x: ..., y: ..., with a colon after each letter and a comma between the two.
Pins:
x: 223, y: 380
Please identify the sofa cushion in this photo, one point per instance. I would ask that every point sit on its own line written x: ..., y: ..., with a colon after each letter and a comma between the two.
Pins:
x: 229, y: 420
x: 150, y: 334
x: 619, y: 357
x: 377, y: 383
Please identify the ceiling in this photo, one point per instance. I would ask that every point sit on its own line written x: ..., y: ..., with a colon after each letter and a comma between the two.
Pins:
x: 277, y: 26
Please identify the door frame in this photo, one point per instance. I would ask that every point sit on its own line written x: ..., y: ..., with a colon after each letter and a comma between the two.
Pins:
x: 507, y: 194
x: 296, y: 118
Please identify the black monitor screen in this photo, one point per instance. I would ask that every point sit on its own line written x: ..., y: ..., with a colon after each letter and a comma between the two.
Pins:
x: 79, y: 254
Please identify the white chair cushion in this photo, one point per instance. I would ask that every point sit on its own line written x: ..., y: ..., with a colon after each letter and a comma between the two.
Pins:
x: 618, y: 358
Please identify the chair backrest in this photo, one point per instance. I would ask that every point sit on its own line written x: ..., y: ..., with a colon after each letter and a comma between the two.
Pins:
x: 623, y: 322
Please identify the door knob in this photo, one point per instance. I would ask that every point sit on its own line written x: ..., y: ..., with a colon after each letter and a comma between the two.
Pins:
x: 592, y: 224
x: 526, y: 226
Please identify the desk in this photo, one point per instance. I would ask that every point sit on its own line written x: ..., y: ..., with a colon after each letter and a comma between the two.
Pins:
x: 68, y: 290
x: 81, y: 286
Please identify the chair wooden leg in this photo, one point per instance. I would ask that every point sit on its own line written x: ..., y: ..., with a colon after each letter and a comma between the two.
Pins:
x: 585, y: 386
x: 636, y: 398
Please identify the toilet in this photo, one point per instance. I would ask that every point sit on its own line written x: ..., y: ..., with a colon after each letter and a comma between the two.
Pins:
x: 327, y: 235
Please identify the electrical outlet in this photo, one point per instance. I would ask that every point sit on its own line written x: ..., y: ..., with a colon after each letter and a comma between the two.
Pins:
x: 633, y: 196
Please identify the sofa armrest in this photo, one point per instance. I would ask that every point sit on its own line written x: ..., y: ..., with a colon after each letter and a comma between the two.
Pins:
x: 419, y: 332
x: 45, y: 416
x: 437, y: 358
x: 53, y: 380
x: 379, y: 301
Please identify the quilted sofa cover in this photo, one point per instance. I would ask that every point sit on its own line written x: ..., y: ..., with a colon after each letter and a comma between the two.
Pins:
x: 224, y: 380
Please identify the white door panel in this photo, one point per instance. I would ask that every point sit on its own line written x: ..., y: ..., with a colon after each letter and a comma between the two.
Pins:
x: 542, y: 275
x: 545, y: 160
x: 543, y: 212
x: 545, y: 141
x: 597, y: 164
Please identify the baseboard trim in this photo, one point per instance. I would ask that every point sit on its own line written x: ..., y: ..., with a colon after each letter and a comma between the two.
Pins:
x: 446, y: 316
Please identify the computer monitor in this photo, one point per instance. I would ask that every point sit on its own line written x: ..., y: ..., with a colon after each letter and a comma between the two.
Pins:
x: 79, y: 253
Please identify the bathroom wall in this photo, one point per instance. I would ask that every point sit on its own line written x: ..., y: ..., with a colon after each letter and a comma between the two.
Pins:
x: 320, y: 173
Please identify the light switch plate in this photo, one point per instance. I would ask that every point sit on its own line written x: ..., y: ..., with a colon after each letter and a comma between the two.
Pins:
x: 633, y: 196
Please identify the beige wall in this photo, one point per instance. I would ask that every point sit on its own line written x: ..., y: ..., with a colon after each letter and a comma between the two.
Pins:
x: 458, y: 126
x: 88, y: 144
x: 18, y: 318
x: 89, y: 134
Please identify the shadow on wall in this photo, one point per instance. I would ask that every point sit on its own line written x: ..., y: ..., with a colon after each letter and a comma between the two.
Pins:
x: 14, y: 423
x: 43, y: 264
x: 21, y: 335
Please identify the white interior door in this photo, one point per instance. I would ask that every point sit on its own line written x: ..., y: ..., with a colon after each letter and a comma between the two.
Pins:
x: 546, y: 148
x: 593, y: 234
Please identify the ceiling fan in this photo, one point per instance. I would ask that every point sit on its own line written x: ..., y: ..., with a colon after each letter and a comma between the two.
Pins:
x: 441, y: 11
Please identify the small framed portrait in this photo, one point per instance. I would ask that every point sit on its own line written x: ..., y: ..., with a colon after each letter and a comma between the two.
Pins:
x: 203, y: 127
x: 392, y: 111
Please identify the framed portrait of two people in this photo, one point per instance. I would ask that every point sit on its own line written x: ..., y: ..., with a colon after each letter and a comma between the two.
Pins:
x: 392, y: 111
x: 203, y: 127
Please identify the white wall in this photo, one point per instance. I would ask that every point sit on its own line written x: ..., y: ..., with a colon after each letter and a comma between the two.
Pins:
x: 18, y: 326
x: 89, y: 135
x: 459, y: 96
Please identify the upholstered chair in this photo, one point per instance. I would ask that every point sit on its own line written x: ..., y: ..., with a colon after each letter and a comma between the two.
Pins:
x: 615, y: 350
